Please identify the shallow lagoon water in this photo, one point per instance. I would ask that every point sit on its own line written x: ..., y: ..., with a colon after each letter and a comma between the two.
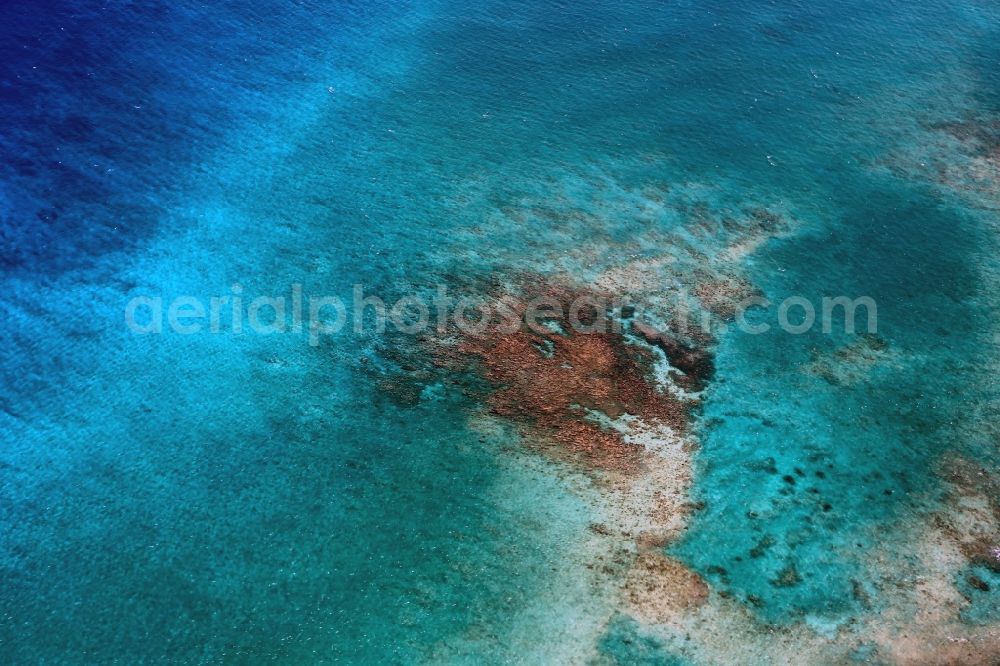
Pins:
x: 246, y: 498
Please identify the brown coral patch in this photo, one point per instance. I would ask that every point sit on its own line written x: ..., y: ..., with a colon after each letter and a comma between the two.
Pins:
x: 974, y: 523
x: 725, y: 296
x: 696, y: 363
x: 404, y: 393
x: 559, y: 383
x: 659, y: 587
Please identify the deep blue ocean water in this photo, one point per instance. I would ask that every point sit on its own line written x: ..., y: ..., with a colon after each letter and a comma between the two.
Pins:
x: 247, y: 498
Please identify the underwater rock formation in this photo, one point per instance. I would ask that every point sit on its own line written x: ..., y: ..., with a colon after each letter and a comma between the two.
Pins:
x: 567, y: 387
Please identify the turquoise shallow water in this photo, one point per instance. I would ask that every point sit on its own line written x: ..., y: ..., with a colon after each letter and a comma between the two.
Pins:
x: 246, y: 498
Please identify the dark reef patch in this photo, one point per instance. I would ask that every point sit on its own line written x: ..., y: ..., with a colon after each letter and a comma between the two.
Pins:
x: 558, y: 383
x: 983, y: 135
x: 697, y: 364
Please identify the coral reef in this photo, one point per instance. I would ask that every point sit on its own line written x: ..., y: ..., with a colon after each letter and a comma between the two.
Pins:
x: 561, y: 384
x: 852, y: 362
